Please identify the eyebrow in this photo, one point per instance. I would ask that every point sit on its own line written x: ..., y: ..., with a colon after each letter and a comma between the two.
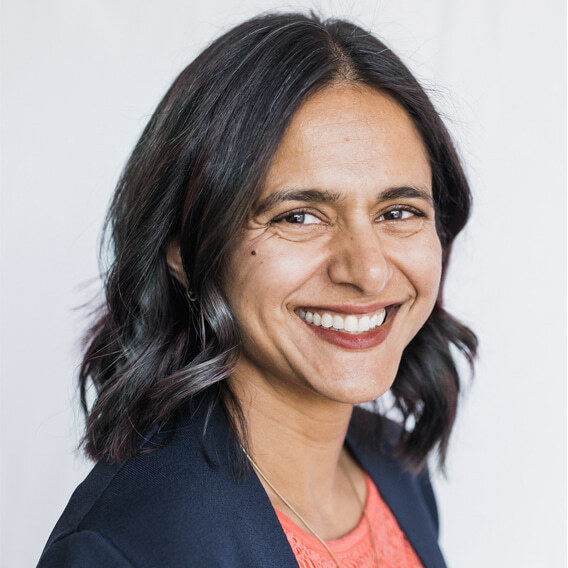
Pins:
x: 406, y: 192
x: 325, y: 196
x: 306, y: 195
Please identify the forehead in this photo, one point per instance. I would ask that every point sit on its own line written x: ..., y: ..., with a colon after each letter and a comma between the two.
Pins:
x: 349, y: 134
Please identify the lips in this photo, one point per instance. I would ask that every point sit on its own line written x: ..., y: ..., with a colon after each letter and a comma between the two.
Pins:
x: 359, y: 331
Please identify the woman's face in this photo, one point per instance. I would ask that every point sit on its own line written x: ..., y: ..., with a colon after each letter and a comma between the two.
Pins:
x: 340, y: 263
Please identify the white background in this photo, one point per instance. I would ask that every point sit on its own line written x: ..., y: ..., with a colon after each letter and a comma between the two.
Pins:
x: 79, y: 82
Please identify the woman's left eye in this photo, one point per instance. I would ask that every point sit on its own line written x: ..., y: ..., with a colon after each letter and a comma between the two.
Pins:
x: 300, y: 218
x: 397, y: 215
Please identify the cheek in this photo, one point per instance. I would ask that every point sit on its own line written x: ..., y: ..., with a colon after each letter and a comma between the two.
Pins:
x: 422, y: 266
x: 263, y: 281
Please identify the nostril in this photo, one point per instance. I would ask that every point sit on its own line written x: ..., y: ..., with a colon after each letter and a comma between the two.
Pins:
x: 363, y: 267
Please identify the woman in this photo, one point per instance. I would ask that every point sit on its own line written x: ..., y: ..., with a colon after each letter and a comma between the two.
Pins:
x: 281, y: 235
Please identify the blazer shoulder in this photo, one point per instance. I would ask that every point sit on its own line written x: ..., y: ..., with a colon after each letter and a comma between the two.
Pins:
x: 83, y: 499
x: 83, y: 549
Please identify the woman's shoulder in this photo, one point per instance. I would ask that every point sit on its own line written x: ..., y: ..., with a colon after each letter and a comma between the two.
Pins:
x: 123, y: 503
x: 180, y: 501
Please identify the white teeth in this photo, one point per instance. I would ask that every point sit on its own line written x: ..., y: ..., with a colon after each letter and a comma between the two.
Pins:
x: 351, y: 324
x: 337, y: 322
x: 364, y: 324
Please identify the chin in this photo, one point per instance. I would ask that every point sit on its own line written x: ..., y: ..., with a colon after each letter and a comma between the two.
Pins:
x: 356, y: 388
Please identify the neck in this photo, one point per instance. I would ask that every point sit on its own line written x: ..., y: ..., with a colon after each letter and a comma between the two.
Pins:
x: 297, y: 439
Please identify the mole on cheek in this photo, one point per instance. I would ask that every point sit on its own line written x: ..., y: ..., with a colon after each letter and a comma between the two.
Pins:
x: 253, y: 252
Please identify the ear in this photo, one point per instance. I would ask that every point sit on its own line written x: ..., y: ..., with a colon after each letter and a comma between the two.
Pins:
x: 175, y: 264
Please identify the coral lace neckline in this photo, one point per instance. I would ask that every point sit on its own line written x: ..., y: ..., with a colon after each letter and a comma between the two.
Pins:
x: 354, y: 550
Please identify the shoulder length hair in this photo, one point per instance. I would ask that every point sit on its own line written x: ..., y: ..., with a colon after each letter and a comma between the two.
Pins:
x: 193, y: 177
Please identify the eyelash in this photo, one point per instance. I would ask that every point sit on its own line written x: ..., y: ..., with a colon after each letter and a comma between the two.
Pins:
x: 415, y: 212
x: 284, y: 216
x: 412, y: 210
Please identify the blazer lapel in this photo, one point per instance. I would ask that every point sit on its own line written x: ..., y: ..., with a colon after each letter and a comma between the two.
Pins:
x: 401, y: 491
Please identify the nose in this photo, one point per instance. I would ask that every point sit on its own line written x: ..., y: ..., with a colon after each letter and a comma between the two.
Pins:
x: 358, y: 259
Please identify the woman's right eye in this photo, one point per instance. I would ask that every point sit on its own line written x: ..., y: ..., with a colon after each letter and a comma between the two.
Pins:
x: 299, y: 218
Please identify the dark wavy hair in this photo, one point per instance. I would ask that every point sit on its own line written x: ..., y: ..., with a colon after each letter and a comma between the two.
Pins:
x: 193, y: 177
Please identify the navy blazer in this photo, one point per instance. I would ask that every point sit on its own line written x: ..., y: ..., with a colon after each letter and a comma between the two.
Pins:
x: 171, y: 508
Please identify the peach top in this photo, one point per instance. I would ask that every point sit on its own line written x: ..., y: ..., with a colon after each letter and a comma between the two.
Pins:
x: 355, y: 549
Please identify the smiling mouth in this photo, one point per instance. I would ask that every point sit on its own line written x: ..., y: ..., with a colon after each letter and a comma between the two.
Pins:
x: 351, y: 324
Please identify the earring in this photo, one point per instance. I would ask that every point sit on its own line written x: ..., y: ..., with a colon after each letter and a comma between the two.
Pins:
x: 190, y: 296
